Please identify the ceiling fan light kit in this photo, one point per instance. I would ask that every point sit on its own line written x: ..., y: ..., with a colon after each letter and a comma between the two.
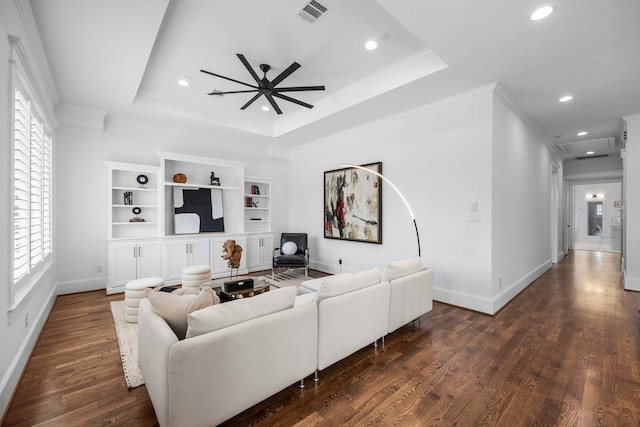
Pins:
x: 265, y: 86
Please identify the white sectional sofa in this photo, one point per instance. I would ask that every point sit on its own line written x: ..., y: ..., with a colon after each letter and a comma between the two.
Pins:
x: 239, y: 353
x: 357, y: 309
x: 234, y: 356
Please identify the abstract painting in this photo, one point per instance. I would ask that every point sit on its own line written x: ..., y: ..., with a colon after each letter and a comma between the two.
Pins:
x: 197, y: 210
x: 353, y: 204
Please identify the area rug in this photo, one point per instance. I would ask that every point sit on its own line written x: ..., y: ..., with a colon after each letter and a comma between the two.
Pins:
x: 128, y: 342
x: 285, y: 278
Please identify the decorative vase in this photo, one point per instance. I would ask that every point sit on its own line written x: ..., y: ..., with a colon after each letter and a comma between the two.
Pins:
x: 180, y: 178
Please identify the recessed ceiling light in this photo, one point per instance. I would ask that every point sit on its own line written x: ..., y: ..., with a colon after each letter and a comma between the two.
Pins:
x: 583, y: 133
x: 184, y: 81
x: 541, y: 13
x: 566, y: 98
x: 590, y: 152
x: 371, y: 45
x: 265, y: 108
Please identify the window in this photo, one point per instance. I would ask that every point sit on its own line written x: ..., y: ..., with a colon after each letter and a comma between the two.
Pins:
x: 32, y: 201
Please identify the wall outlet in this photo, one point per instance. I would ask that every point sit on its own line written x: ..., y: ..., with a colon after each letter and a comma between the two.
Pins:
x: 499, y: 282
x: 98, y: 269
x: 474, y: 217
x: 26, y: 320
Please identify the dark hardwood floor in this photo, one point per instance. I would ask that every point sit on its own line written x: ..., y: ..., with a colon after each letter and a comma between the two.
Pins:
x: 564, y: 352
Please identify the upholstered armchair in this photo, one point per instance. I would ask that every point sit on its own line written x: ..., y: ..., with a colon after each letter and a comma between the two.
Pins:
x: 292, y: 253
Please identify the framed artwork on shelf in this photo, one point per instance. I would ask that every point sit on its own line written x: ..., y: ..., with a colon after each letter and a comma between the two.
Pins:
x: 353, y: 204
x: 197, y: 210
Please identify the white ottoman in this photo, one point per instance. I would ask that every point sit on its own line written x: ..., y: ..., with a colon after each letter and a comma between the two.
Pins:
x: 195, y: 276
x: 134, y: 291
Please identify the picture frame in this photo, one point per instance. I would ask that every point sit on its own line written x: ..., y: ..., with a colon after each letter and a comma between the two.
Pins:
x: 353, y: 204
x: 197, y: 210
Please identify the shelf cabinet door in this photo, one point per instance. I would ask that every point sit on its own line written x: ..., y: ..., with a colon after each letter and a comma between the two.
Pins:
x: 199, y: 253
x: 176, y: 257
x: 260, y: 248
x: 182, y: 253
x: 148, y: 261
x: 122, y: 264
x: 132, y: 260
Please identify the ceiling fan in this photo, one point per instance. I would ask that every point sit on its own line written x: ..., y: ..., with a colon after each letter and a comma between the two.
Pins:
x: 266, y: 87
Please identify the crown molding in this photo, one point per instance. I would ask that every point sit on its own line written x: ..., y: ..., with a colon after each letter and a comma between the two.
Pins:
x: 502, y: 93
x: 401, y: 115
x: 41, y: 73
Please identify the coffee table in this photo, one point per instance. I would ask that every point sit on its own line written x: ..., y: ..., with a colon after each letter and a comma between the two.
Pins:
x: 259, y: 286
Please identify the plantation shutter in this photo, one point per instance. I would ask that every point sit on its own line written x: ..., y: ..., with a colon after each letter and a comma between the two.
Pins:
x: 32, y: 189
x: 22, y: 184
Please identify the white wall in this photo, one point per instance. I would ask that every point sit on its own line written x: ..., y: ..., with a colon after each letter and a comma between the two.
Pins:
x: 631, y: 251
x: 521, y: 227
x: 442, y: 158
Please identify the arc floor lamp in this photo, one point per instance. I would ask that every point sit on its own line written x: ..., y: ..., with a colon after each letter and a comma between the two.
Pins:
x: 413, y: 218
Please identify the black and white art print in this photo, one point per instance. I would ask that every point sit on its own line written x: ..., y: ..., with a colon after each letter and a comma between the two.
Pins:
x: 197, y: 210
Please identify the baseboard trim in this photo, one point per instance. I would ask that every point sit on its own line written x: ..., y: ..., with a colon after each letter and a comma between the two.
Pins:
x: 630, y: 283
x: 489, y: 305
x: 83, y: 285
x: 512, y: 291
x: 463, y: 299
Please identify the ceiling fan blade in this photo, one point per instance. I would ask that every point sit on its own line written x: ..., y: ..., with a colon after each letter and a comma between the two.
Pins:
x: 295, y: 101
x: 297, y: 88
x: 283, y: 75
x: 250, y: 69
x: 217, y: 92
x: 251, y: 101
x: 228, y: 78
x: 273, y: 103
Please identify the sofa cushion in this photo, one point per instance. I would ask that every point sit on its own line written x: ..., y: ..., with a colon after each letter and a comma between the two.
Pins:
x: 396, y: 269
x: 174, y: 307
x: 347, y: 282
x: 224, y: 315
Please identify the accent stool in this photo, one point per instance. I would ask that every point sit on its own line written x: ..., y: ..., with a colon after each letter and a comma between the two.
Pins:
x: 133, y: 294
x: 194, y: 276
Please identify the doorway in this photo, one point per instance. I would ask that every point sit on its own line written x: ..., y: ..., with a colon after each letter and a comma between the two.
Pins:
x: 597, y: 216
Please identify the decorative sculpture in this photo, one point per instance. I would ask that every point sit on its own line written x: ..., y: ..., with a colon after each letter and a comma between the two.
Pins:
x: 232, y: 253
x: 214, y: 179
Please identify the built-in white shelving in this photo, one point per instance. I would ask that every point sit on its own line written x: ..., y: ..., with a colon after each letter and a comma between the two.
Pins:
x: 257, y: 204
x: 197, y: 171
x: 125, y: 193
x: 152, y: 248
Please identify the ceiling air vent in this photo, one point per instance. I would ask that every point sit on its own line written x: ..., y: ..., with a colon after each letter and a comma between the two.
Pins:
x: 312, y: 11
x: 597, y: 156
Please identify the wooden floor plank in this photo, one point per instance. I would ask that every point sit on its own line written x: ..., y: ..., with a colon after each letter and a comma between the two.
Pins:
x: 563, y: 352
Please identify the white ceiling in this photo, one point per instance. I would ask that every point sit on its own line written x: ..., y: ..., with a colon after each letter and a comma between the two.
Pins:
x: 124, y: 58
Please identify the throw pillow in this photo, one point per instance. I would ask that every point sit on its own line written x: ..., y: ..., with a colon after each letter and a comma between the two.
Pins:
x: 174, y: 307
x: 348, y: 282
x: 224, y: 315
x: 396, y: 269
x: 289, y: 248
